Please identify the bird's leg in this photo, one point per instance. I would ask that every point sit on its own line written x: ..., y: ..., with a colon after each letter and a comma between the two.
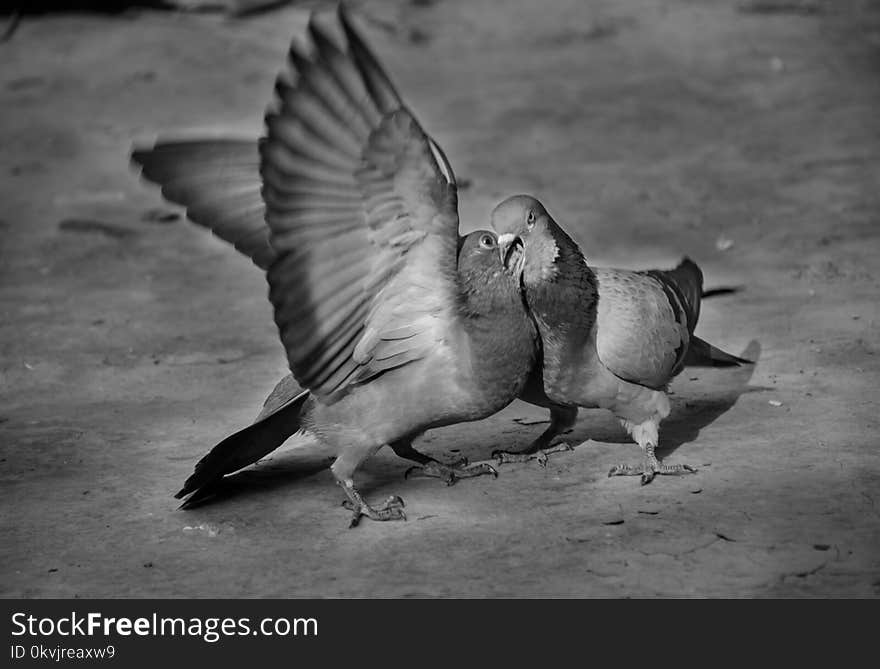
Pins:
x: 343, y: 469
x: 647, y: 435
x: 391, y: 509
x: 562, y: 419
x: 428, y: 466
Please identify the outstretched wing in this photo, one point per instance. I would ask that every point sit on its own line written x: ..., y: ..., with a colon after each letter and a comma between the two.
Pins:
x: 218, y: 181
x: 362, y: 209
x: 645, y: 321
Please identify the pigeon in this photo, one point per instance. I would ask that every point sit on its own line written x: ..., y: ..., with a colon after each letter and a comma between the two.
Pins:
x: 611, y: 338
x: 393, y: 324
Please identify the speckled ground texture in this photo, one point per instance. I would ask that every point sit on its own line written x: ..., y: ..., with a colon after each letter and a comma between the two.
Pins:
x: 743, y: 134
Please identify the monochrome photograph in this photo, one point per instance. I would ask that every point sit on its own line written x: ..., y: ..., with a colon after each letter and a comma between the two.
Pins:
x: 444, y: 299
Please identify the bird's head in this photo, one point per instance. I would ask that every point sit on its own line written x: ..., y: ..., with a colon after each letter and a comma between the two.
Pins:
x: 478, y: 253
x: 481, y: 266
x: 530, y: 241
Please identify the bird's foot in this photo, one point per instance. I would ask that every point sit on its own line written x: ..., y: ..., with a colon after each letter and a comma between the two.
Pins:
x: 506, y: 457
x: 450, y: 473
x: 650, y: 468
x: 391, y: 509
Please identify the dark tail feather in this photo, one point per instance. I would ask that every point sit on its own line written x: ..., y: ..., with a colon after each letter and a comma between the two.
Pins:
x: 244, y: 447
x: 703, y: 354
x: 721, y: 290
x: 218, y: 181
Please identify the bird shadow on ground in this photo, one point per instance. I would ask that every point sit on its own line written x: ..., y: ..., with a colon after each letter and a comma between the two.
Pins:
x: 693, y: 414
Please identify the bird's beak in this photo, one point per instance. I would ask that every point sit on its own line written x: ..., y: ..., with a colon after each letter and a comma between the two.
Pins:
x: 510, y: 247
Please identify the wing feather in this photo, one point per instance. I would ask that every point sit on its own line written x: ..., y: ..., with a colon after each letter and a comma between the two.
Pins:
x: 362, y: 215
x: 686, y: 282
x: 218, y: 181
x: 308, y: 144
x: 320, y: 102
x: 296, y: 164
x: 346, y: 202
x: 642, y: 330
x: 339, y: 66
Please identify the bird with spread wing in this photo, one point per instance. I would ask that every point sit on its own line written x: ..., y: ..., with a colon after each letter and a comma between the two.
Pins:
x: 611, y: 338
x: 392, y: 324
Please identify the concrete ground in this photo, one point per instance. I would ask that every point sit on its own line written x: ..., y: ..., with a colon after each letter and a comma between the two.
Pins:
x: 744, y: 134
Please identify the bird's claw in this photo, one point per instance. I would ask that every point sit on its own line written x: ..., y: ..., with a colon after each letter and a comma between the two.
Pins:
x: 506, y: 457
x: 419, y: 470
x: 451, y: 473
x: 650, y: 468
x: 391, y: 509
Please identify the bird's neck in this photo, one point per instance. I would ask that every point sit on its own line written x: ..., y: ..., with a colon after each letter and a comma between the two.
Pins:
x: 566, y: 299
x: 501, y: 341
x: 494, y: 315
x: 485, y: 298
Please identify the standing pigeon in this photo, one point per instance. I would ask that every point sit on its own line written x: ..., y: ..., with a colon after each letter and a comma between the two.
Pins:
x: 391, y: 322
x: 611, y: 338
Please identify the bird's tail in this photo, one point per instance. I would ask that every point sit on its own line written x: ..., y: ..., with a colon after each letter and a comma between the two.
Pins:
x: 244, y: 447
x: 702, y: 354
x: 720, y: 291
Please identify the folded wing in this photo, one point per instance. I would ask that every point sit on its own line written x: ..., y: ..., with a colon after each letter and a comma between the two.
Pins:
x: 645, y: 321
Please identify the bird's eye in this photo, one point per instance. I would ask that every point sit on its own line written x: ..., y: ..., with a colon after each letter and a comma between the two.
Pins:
x: 530, y: 219
x: 487, y: 241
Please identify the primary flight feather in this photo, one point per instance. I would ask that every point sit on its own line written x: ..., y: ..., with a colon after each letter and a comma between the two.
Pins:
x: 391, y: 322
